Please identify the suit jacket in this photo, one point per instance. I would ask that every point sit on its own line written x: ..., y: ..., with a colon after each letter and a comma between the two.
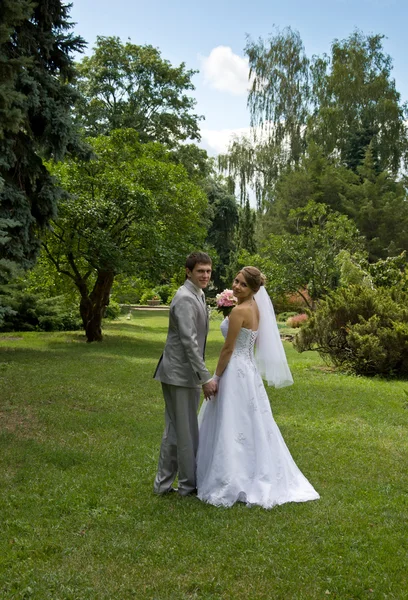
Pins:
x: 182, y: 362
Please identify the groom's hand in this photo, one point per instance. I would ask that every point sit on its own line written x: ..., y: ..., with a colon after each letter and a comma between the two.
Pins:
x: 210, y: 389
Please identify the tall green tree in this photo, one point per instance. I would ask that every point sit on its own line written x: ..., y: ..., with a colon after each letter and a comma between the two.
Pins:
x: 36, y: 100
x: 343, y: 102
x: 246, y: 228
x: 129, y: 210
x: 125, y: 85
x: 306, y: 258
x: 358, y: 105
x: 380, y: 210
x: 279, y: 96
x: 375, y: 201
x: 224, y: 215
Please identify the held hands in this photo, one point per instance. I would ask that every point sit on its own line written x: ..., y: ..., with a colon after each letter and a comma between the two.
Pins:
x: 210, y: 389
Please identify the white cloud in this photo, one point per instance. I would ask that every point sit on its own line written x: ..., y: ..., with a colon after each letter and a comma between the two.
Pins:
x: 226, y: 71
x: 217, y: 141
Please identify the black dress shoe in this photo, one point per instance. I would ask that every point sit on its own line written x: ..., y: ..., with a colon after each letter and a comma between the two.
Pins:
x: 165, y: 492
x: 191, y: 493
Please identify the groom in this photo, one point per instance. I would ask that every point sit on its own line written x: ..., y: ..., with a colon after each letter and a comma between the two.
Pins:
x: 183, y: 373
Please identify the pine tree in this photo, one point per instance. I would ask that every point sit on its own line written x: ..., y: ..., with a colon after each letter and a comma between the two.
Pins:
x: 246, y: 228
x: 36, y: 100
x: 223, y: 228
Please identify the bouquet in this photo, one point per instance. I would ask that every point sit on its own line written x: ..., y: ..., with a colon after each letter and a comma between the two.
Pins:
x: 225, y: 302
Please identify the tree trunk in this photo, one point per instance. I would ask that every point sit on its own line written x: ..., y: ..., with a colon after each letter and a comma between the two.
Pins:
x: 93, y: 305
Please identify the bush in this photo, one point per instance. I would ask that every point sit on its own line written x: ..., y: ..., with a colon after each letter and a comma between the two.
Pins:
x: 165, y: 292
x: 361, y: 329
x: 32, y: 312
x: 147, y: 295
x: 297, y: 320
x: 284, y: 316
x: 112, y: 311
x: 128, y: 290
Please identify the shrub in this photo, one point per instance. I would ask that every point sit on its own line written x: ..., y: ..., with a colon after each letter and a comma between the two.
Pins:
x: 361, y: 329
x: 297, y: 320
x: 284, y: 316
x: 128, y: 290
x: 112, y: 311
x: 165, y: 292
x: 147, y: 295
x: 28, y: 311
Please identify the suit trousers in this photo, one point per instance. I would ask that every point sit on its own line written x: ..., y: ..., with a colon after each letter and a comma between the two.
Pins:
x: 180, y: 440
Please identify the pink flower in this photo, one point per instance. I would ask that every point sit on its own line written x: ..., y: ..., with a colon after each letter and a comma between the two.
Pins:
x: 226, y: 299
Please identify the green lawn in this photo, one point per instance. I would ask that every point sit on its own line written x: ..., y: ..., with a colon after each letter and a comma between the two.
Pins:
x: 80, y: 428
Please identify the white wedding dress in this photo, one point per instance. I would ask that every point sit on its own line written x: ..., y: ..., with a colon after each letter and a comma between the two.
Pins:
x: 242, y: 455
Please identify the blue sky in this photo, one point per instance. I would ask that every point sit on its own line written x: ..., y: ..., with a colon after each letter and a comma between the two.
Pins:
x: 211, y: 37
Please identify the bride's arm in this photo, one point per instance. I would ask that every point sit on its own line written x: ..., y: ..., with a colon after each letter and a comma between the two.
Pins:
x: 236, y: 319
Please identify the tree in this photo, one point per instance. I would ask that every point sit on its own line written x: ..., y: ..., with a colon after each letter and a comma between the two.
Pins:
x: 375, y: 201
x: 224, y: 221
x: 196, y: 161
x: 306, y: 258
x: 318, y: 178
x: 279, y: 97
x: 357, y: 104
x: 380, y: 210
x: 131, y: 86
x: 246, y: 228
x: 129, y: 210
x: 36, y: 99
x: 344, y: 103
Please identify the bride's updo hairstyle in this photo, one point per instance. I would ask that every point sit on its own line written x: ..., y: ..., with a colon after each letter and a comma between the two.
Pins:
x: 253, y: 277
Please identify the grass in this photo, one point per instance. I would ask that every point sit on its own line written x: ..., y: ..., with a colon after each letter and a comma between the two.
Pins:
x: 80, y: 428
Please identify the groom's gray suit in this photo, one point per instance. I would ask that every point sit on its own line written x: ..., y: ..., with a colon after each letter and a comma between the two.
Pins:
x: 182, y: 372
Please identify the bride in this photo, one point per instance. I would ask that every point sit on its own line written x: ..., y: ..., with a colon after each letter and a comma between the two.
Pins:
x: 242, y: 456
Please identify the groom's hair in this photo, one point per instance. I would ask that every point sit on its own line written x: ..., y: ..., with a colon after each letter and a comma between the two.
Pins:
x: 197, y: 258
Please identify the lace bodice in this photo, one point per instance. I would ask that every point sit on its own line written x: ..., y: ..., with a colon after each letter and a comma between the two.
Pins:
x: 245, y: 342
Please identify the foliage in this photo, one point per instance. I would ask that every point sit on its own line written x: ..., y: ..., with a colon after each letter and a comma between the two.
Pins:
x: 45, y: 280
x: 112, y: 311
x: 297, y: 320
x: 130, y: 210
x: 393, y: 271
x: 129, y: 86
x: 279, y: 96
x: 344, y: 103
x: 36, y: 99
x: 224, y: 216
x: 306, y: 258
x: 361, y: 329
x: 252, y: 165
x: 376, y: 202
x: 127, y: 289
x: 316, y: 178
x: 196, y: 162
x: 357, y: 104
x: 246, y: 228
x: 356, y: 270
x: 28, y: 311
x: 380, y: 210
x: 165, y: 292
x: 149, y: 294
x: 284, y: 316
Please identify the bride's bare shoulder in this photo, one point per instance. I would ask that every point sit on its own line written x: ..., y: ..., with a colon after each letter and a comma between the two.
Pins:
x: 248, y: 315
